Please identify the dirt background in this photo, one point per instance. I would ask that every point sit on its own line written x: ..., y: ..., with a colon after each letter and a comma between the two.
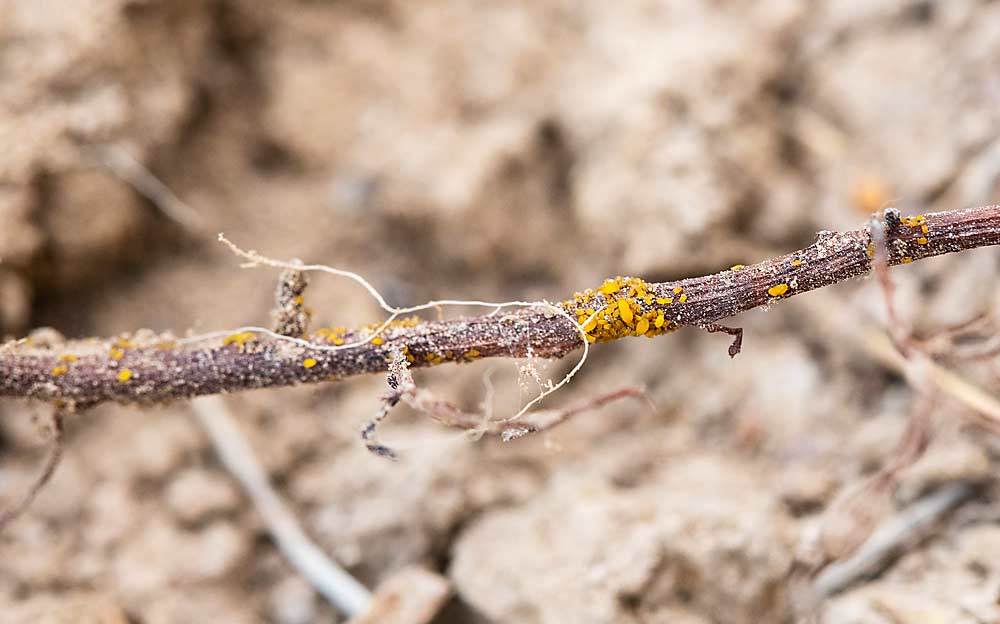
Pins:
x: 507, y: 150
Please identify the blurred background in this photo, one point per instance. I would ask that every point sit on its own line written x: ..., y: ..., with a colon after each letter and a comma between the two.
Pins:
x: 498, y: 150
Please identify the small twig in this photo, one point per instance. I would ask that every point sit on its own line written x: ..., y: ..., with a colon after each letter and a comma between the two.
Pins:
x: 329, y: 579
x: 856, y: 512
x: 543, y: 420
x: 982, y: 322
x: 398, y: 376
x: 924, y: 374
x: 157, y: 370
x: 912, y: 444
x: 909, y: 356
x: 118, y: 161
x: 880, y: 228
x: 975, y: 339
x: 48, y: 467
x: 904, y: 529
x: 736, y: 332
x: 403, y: 388
x: 852, y: 518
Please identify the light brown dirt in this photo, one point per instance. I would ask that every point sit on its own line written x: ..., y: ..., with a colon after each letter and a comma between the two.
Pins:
x: 519, y: 150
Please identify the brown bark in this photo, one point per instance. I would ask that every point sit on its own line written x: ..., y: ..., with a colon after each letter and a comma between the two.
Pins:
x: 153, y: 369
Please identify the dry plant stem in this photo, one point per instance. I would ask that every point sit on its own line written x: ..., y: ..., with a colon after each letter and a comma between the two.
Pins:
x: 135, y: 174
x: 349, y: 596
x: 736, y: 332
x: 902, y: 530
x: 974, y: 340
x: 159, y: 371
x: 879, y: 227
x: 336, y: 585
x: 921, y: 372
x: 851, y: 521
x: 925, y: 375
x: 855, y: 514
x: 403, y: 388
x: 48, y: 468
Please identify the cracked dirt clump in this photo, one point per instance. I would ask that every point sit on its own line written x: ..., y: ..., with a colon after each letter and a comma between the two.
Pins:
x: 517, y: 151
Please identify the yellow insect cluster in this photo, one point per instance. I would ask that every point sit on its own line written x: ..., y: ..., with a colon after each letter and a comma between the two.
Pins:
x: 240, y: 339
x: 629, y: 310
x: 919, y: 221
x: 116, y: 352
x: 333, y: 335
x: 448, y: 356
x: 61, y: 369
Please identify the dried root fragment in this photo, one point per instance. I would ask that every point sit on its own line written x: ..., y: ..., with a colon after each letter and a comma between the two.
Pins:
x: 736, y: 332
x: 48, y: 467
x: 400, y: 381
x: 403, y: 388
x: 200, y: 365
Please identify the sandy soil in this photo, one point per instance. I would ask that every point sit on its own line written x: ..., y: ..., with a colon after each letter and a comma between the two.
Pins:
x: 517, y: 150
